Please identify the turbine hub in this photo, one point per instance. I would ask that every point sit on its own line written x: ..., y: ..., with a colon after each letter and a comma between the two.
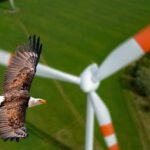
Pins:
x: 87, y: 83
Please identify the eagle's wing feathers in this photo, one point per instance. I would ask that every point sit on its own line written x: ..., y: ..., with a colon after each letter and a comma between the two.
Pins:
x: 22, y: 66
x: 10, y: 127
x: 17, y: 82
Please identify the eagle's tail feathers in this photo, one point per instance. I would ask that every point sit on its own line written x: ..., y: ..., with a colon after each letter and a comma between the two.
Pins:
x: 7, y: 132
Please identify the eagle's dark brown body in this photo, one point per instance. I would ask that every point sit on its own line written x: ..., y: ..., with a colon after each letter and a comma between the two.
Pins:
x: 17, y: 83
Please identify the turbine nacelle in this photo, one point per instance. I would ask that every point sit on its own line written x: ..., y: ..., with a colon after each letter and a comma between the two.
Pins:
x: 87, y: 80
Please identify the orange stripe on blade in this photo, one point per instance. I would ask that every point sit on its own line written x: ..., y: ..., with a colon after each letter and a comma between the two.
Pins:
x: 143, y: 39
x: 114, y: 147
x: 107, y: 129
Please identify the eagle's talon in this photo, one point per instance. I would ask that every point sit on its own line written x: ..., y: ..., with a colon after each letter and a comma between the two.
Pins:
x: 21, y: 133
x: 17, y: 139
x: 12, y: 138
x: 6, y: 139
x: 24, y: 129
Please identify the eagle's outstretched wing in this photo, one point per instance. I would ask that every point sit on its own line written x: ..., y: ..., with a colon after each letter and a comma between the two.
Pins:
x: 22, y: 67
x: 17, y: 82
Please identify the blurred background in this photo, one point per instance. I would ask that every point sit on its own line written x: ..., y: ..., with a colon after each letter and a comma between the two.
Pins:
x: 75, y: 34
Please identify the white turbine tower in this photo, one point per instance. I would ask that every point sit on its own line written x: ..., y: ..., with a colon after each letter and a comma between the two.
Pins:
x: 90, y: 79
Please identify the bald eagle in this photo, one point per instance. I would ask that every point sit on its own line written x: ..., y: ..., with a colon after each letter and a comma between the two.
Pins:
x: 16, y: 90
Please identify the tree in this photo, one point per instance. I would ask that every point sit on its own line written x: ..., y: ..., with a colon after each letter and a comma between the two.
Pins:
x: 136, y: 78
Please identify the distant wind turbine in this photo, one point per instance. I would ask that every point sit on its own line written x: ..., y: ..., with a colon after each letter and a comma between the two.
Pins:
x: 12, y: 4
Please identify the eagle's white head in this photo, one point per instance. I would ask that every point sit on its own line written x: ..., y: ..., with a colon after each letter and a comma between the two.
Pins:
x: 36, y: 101
x: 32, y: 101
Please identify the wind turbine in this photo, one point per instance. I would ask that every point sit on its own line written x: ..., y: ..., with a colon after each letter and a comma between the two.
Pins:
x: 90, y: 79
x: 12, y: 4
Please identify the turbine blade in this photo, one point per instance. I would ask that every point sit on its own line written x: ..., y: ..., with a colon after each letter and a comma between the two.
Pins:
x: 4, y: 57
x: 48, y: 72
x: 129, y: 51
x: 89, y: 126
x: 42, y: 70
x: 104, y: 121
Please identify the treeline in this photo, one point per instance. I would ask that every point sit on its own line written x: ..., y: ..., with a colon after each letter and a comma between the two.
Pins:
x: 136, y: 78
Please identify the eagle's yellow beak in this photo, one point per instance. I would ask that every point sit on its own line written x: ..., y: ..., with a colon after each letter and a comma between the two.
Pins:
x: 43, y: 101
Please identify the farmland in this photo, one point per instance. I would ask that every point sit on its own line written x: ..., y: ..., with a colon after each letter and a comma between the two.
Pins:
x: 74, y: 35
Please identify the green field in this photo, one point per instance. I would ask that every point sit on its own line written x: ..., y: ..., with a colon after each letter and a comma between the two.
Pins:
x: 74, y: 34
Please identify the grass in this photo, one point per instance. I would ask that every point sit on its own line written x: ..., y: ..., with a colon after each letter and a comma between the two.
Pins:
x: 141, y: 117
x: 74, y: 34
